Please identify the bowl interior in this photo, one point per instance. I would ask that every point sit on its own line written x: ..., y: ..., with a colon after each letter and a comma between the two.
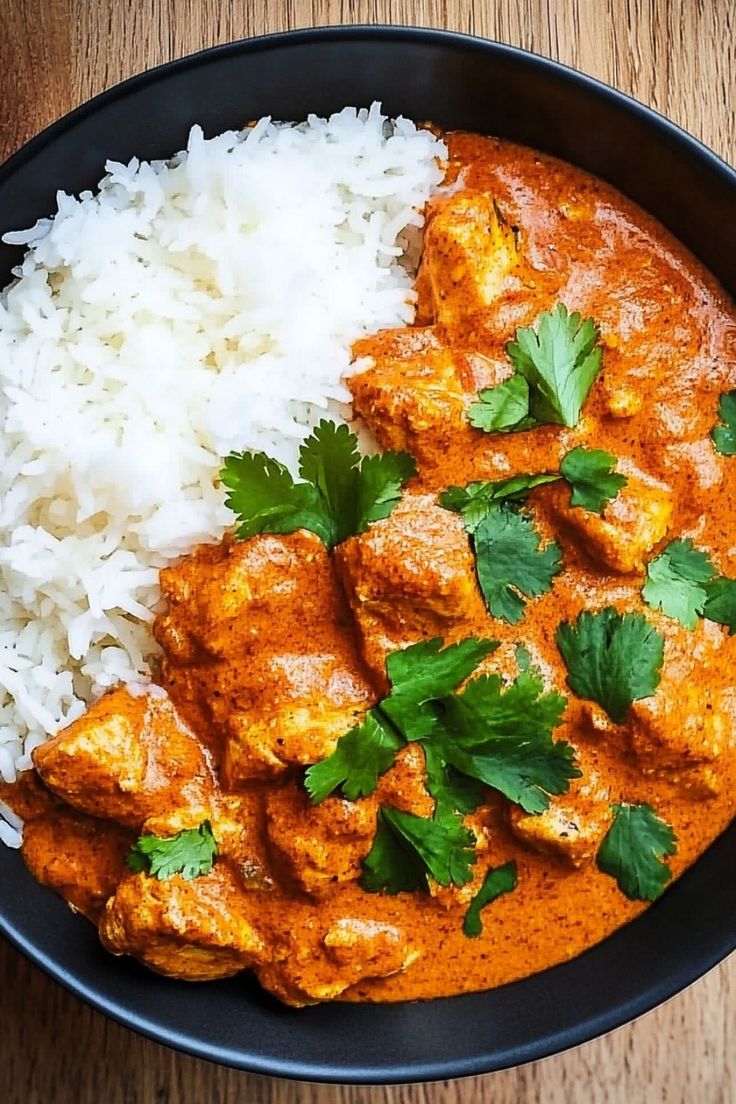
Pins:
x: 459, y: 83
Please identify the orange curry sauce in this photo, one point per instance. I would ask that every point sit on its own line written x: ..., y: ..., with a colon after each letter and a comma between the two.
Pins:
x: 316, y: 634
x: 669, y: 339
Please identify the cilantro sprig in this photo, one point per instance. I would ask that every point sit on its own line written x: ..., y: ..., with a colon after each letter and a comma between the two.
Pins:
x: 341, y: 493
x: 720, y: 605
x: 491, y: 734
x: 419, y: 676
x: 612, y: 658
x: 189, y: 853
x: 501, y: 735
x: 407, y: 850
x: 511, y: 563
x: 555, y: 366
x: 677, y: 582
x: 724, y: 434
x: 633, y: 851
x: 592, y: 479
x: 498, y: 880
x: 683, y: 582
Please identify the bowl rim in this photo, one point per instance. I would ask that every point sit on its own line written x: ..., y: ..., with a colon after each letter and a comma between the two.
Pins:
x: 702, y: 959
x: 344, y: 32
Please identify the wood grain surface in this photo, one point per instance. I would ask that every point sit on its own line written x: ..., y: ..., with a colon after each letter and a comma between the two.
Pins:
x: 677, y: 55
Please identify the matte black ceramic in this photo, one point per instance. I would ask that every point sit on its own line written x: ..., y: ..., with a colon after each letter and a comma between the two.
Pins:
x: 458, y: 82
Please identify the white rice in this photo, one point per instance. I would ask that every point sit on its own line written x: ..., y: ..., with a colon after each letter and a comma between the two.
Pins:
x: 188, y: 308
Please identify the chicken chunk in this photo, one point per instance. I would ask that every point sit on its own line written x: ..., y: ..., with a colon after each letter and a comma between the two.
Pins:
x: 683, y: 729
x: 243, y: 596
x: 573, y: 825
x: 259, y: 649
x: 409, y: 577
x: 81, y: 858
x: 299, y: 707
x: 419, y: 391
x: 631, y: 525
x: 469, y: 253
x: 318, y: 965
x: 130, y: 758
x: 193, y: 930
x: 318, y: 846
x: 237, y: 825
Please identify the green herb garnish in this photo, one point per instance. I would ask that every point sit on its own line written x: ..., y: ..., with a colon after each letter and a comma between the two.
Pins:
x: 501, y: 735
x: 611, y: 658
x: 419, y: 676
x: 677, y: 582
x: 724, y: 435
x: 633, y: 849
x: 503, y: 408
x: 498, y: 880
x: 720, y: 605
x: 189, y: 853
x: 593, y: 481
x: 407, y: 850
x: 510, y: 561
x: 474, y: 501
x: 491, y: 734
x: 555, y: 366
x: 341, y: 494
x: 512, y: 564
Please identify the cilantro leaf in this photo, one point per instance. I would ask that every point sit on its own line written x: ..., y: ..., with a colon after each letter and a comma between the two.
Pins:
x: 498, y: 880
x: 677, y: 582
x: 509, y: 560
x: 379, y: 487
x: 189, y: 853
x: 361, y: 756
x: 419, y: 676
x: 724, y: 435
x: 592, y: 480
x: 453, y: 792
x: 511, y: 563
x: 426, y: 672
x: 633, y: 849
x: 555, y: 366
x: 391, y: 865
x: 328, y: 461
x: 559, y: 360
x: 520, y: 708
x: 504, y: 408
x: 720, y: 605
x: 502, y: 737
x: 475, y: 501
x: 267, y: 500
x: 407, y: 850
x: 341, y: 494
x: 612, y: 659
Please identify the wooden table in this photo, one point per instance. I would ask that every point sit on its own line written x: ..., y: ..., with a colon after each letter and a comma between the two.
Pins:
x: 677, y: 55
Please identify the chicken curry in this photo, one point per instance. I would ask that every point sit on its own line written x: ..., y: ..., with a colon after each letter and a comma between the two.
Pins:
x: 437, y: 719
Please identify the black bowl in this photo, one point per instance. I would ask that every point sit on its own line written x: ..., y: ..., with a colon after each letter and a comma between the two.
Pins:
x: 458, y: 82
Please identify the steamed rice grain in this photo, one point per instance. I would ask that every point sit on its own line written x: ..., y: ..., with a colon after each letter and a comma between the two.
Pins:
x: 186, y: 309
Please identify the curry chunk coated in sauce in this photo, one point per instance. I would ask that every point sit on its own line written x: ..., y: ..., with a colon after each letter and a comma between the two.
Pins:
x: 413, y: 385
x: 241, y: 914
x: 194, y: 930
x: 573, y: 826
x: 631, y: 525
x: 273, y: 648
x: 470, y: 256
x: 130, y: 758
x: 79, y: 857
x: 409, y: 577
x: 259, y: 653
